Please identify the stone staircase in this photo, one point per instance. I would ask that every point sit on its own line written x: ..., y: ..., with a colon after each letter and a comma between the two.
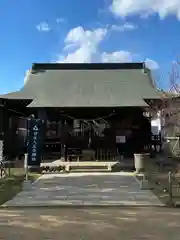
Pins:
x: 91, y: 166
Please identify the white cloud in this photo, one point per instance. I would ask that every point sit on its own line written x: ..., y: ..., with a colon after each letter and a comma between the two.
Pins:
x: 81, y: 36
x: 125, y: 27
x: 151, y: 64
x: 82, y: 46
x: 43, y: 27
x: 118, y: 56
x: 84, y: 43
x: 163, y: 8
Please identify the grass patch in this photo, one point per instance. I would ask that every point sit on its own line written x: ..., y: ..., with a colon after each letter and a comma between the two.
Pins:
x: 10, y: 186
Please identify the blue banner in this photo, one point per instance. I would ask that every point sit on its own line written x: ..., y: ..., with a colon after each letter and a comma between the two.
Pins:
x: 35, y: 140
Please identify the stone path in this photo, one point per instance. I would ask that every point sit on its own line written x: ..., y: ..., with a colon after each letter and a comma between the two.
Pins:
x: 90, y: 223
x: 85, y: 189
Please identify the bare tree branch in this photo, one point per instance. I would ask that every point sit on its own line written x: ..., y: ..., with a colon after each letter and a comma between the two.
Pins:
x: 171, y: 113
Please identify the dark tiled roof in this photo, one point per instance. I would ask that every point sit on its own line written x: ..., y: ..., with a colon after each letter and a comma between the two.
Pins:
x: 88, y: 85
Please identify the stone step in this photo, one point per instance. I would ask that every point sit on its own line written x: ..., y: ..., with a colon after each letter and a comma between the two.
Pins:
x: 76, y: 168
x: 89, y: 170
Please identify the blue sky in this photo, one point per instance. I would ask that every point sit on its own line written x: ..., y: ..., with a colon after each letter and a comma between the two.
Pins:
x: 87, y: 31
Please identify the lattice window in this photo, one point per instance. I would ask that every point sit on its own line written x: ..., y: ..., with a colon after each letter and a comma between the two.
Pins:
x: 52, y: 129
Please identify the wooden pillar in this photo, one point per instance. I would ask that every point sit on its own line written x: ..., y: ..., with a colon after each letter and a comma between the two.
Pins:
x: 4, y: 130
x: 1, y: 120
x: 1, y: 134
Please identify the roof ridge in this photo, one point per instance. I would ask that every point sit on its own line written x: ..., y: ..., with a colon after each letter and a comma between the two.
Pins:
x: 86, y: 66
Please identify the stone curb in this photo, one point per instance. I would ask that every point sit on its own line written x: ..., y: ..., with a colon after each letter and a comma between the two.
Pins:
x: 80, y: 206
x: 131, y: 174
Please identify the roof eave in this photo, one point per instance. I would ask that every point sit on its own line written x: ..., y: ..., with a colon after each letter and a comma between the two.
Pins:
x: 15, y: 96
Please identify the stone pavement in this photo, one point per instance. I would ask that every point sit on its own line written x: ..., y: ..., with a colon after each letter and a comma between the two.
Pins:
x: 144, y: 223
x: 85, y: 189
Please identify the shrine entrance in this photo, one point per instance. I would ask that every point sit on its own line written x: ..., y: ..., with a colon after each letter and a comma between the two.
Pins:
x: 100, y: 134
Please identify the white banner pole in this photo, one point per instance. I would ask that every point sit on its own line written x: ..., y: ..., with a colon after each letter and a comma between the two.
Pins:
x: 26, y: 166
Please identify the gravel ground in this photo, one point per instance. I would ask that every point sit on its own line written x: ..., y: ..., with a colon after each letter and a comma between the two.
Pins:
x: 90, y: 223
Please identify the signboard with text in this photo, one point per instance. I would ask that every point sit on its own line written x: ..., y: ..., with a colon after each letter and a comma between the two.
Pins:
x: 34, y: 148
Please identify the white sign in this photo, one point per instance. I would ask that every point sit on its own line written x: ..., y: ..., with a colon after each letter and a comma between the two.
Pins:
x: 35, y: 128
x: 120, y: 139
x: 1, y: 150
